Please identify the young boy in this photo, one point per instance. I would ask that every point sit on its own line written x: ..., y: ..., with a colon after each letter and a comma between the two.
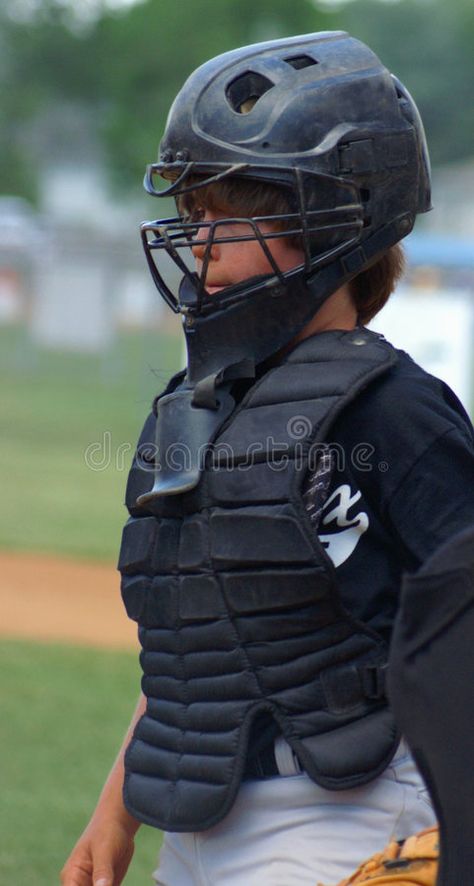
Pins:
x: 282, y: 484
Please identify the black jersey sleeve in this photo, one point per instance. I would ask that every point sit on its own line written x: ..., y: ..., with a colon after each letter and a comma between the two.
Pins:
x: 421, y: 473
x: 403, y: 484
x: 435, y: 500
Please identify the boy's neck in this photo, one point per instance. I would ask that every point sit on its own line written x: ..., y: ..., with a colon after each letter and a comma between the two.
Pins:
x: 337, y: 312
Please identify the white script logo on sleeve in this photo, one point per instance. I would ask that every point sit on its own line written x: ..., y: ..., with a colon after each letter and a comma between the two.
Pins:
x: 344, y: 531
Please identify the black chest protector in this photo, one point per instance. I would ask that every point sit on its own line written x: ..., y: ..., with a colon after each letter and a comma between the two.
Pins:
x: 238, y: 606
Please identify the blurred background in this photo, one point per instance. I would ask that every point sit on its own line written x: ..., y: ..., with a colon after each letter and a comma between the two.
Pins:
x: 85, y: 342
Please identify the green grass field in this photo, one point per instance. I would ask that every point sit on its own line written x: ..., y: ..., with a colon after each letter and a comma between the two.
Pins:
x: 63, y: 714
x: 59, y: 494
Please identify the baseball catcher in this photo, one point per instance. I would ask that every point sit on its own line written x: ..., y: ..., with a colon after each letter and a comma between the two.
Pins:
x: 283, y: 485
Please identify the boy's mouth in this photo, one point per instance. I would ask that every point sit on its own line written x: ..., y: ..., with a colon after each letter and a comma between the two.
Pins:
x: 215, y: 288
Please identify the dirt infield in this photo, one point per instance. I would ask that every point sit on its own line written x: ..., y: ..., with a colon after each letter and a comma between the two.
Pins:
x: 47, y: 598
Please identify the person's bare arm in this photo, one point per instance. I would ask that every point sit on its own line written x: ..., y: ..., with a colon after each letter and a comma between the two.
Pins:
x: 103, y: 852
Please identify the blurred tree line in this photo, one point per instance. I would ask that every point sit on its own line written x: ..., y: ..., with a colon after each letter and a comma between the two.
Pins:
x: 68, y: 70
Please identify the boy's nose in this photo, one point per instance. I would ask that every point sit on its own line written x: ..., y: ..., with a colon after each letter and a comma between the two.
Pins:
x: 200, y: 244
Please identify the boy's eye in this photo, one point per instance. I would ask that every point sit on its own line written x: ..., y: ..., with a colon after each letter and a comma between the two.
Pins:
x: 193, y: 217
x: 196, y: 215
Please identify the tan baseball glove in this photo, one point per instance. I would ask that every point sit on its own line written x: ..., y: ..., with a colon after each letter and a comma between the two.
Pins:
x: 413, y: 863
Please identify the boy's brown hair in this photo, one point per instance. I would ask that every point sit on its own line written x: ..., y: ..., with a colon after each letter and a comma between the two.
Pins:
x: 370, y: 289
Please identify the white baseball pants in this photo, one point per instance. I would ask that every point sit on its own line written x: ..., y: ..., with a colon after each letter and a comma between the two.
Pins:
x: 288, y: 831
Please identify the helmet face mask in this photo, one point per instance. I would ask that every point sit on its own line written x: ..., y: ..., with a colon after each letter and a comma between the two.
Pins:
x: 323, y: 232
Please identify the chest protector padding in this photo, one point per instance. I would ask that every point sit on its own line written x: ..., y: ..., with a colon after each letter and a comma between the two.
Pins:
x: 238, y: 606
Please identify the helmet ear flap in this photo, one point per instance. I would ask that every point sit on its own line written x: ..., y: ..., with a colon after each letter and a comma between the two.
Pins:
x: 340, y: 200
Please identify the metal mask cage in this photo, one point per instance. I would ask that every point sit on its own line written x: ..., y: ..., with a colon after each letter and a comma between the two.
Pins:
x: 325, y: 233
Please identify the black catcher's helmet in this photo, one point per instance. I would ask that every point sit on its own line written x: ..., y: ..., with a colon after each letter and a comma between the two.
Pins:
x: 320, y: 116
